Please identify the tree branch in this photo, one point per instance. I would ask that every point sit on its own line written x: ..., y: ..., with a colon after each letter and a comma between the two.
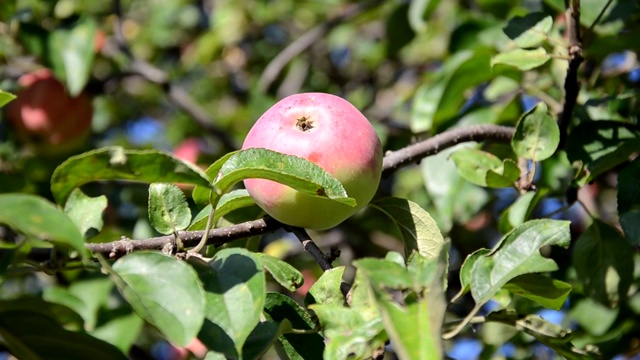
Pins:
x: 571, y: 84
x: 274, y: 68
x: 314, y: 250
x: 217, y: 236
x: 447, y: 139
x: 392, y: 161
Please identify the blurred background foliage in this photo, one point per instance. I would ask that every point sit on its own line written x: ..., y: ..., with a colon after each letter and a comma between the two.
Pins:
x: 191, y: 77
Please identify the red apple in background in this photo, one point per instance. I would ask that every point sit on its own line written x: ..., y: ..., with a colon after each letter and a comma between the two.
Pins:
x: 189, y: 150
x: 43, y: 113
x: 330, y: 132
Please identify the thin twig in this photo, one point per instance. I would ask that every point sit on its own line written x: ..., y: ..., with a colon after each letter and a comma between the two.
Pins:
x: 318, y: 255
x: 571, y: 85
x: 274, y: 68
x: 431, y: 146
x: 177, y: 95
x: 597, y: 20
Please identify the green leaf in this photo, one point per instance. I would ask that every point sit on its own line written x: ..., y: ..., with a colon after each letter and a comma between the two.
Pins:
x: 384, y: 273
x: 419, y: 10
x: 295, y: 346
x: 31, y: 335
x: 348, y: 334
x: 520, y: 211
x: 62, y: 314
x: 438, y: 101
x: 327, y: 289
x: 231, y: 201
x: 415, y: 327
x: 473, y: 164
x: 465, y: 272
x: 604, y: 263
x: 454, y: 199
x: 518, y: 253
x: 522, y: 59
x: 629, y: 201
x: 416, y: 227
x: 551, y: 335
x: 85, y: 297
x: 504, y: 176
x: 5, y: 98
x: 116, y: 163
x: 260, y: 340
x: 286, y: 275
x: 602, y: 145
x: 548, y: 292
x: 537, y: 135
x: 235, y: 286
x: 485, y: 169
x: 71, y: 52
x: 586, y: 310
x: 163, y: 291
x: 168, y: 208
x: 122, y: 331
x: 38, y: 219
x: 85, y: 211
x: 530, y: 30
x: 293, y: 171
x: 200, y: 193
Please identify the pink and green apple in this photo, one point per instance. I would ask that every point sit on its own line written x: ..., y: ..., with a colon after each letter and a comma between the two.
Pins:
x: 330, y: 132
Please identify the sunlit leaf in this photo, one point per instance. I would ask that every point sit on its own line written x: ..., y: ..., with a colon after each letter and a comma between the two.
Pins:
x: 292, y: 171
x: 347, y: 333
x: 518, y: 253
x: 418, y: 229
x: 286, y: 275
x: 5, y: 98
x: 485, y: 169
x: 327, y: 289
x: 440, y: 100
x: 201, y: 193
x: 122, y: 331
x: 168, y: 208
x: 522, y: 59
x: 84, y: 296
x: 520, y: 211
x: 72, y: 52
x: 164, y: 291
x: 537, y: 134
x: 231, y: 201
x: 234, y: 285
x: 116, y: 163
x: 85, y: 211
x: 529, y: 30
x: 38, y: 219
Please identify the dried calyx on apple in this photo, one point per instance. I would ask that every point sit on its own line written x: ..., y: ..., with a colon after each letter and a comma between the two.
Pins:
x: 330, y: 132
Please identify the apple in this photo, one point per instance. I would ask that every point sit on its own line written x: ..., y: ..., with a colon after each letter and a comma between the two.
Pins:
x: 330, y: 132
x: 44, y: 114
x: 188, y: 150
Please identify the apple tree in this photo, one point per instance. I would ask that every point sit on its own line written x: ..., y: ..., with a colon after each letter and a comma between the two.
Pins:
x: 475, y: 196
